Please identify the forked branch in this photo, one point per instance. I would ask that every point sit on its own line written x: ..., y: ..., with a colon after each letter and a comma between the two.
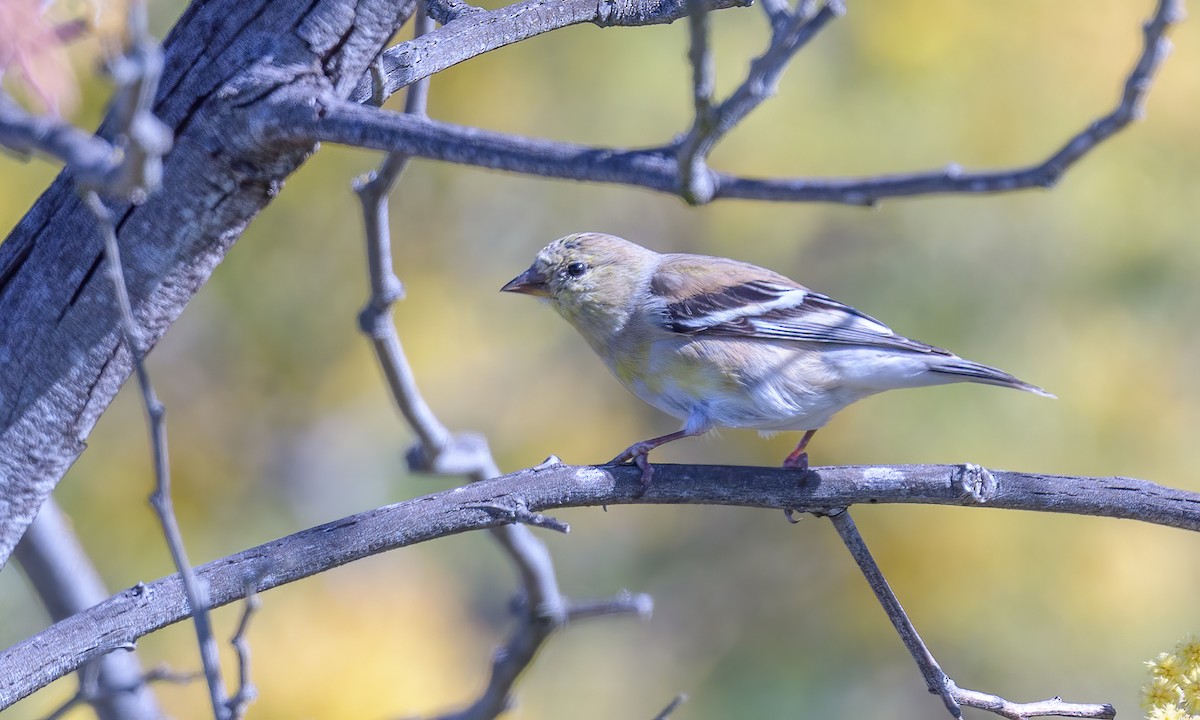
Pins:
x: 658, y: 168
x: 936, y: 679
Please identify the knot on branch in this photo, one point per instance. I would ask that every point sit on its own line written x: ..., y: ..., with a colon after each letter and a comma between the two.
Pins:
x: 698, y: 183
x: 975, y: 482
x: 546, y: 616
x: 374, y: 319
x: 446, y: 11
x: 653, y: 12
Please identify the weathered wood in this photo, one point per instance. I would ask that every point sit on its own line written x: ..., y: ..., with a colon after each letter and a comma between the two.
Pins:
x: 61, y: 362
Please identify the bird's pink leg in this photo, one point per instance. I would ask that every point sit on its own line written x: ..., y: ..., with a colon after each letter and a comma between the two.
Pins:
x: 637, y: 453
x: 798, y: 458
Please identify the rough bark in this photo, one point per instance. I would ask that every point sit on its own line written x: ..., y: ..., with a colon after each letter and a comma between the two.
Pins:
x: 61, y: 362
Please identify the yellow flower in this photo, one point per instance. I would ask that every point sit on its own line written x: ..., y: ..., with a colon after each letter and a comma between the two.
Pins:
x: 1168, y: 666
x: 1188, y: 651
x: 1168, y: 713
x: 1190, y: 690
x: 1161, y: 693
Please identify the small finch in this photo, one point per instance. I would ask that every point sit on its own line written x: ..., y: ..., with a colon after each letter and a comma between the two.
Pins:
x: 721, y: 343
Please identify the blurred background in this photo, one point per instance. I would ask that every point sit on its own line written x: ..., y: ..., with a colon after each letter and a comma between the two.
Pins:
x: 278, y: 419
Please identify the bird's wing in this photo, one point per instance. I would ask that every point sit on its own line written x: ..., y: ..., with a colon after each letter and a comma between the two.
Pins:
x: 717, y: 297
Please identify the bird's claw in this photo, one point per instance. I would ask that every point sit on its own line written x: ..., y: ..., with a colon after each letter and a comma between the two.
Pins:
x: 798, y: 462
x: 638, y: 455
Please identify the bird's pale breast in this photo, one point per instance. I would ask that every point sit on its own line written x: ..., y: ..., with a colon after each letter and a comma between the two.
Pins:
x: 734, y: 382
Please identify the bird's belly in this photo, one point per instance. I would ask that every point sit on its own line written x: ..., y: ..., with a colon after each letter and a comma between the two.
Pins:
x: 713, y: 382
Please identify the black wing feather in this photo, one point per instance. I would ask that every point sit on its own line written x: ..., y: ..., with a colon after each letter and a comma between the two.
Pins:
x: 759, y: 309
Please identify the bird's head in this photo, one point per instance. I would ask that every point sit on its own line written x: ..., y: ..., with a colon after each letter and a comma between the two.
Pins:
x: 591, y: 279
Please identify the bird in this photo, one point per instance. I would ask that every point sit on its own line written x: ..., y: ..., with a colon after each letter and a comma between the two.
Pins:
x: 717, y: 342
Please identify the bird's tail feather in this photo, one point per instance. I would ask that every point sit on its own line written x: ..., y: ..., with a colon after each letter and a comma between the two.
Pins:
x: 977, y: 372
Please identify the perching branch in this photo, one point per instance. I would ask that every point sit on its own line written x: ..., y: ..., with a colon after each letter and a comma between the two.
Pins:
x: 544, y: 609
x: 657, y: 168
x: 61, y: 649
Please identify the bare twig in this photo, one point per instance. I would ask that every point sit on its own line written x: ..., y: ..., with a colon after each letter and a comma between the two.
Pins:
x: 765, y: 70
x: 697, y: 183
x: 67, y: 582
x: 623, y: 603
x: 671, y: 707
x: 777, y: 12
x: 1155, y: 48
x: 438, y: 450
x: 694, y: 181
x: 61, y: 649
x: 145, y: 140
x: 935, y: 678
x: 518, y: 513
x: 129, y: 167
x: 657, y: 168
x: 375, y: 319
x: 1054, y: 707
x: 160, y: 499
x: 246, y: 692
x: 92, y: 690
x: 92, y: 159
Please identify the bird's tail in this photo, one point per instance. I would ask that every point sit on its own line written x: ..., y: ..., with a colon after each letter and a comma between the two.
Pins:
x: 968, y: 371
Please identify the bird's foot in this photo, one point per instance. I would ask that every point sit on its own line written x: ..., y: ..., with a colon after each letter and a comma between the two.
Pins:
x: 638, y: 454
x: 797, y: 460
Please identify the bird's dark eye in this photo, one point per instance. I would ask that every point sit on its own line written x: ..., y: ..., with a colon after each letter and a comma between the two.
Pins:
x: 576, y: 269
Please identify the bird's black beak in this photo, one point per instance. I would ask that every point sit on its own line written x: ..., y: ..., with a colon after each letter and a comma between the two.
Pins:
x: 530, y: 282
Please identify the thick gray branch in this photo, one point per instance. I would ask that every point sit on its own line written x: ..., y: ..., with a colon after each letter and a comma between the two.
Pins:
x: 61, y: 649
x: 474, y: 33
